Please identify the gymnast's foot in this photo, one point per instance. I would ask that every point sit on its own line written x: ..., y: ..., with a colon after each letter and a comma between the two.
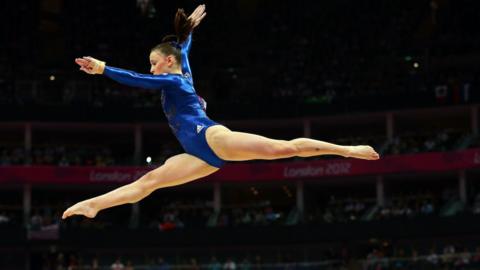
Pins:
x: 84, y: 208
x: 362, y: 152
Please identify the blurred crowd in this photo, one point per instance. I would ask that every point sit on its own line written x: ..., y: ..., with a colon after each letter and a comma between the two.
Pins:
x: 185, y: 214
x: 256, y: 262
x: 165, y: 214
x: 418, y: 142
x: 445, y: 256
x: 58, y: 155
x: 352, y: 56
x: 104, y: 155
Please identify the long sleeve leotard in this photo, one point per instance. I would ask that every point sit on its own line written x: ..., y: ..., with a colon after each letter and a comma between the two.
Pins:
x: 181, y: 105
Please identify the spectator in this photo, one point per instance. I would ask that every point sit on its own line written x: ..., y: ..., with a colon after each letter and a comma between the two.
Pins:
x: 4, y: 219
x: 476, y: 256
x: 162, y: 264
x: 427, y: 208
x: 36, y: 221
x: 193, y: 264
x: 433, y: 258
x: 229, y: 264
x: 245, y: 264
x: 214, y: 264
x: 117, y: 265
x: 129, y: 266
x: 95, y: 264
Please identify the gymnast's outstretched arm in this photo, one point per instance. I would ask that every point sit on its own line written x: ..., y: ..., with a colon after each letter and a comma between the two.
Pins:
x: 93, y: 66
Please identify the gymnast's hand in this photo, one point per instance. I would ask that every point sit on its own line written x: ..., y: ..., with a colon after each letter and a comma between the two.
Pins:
x: 90, y: 65
x: 197, y: 15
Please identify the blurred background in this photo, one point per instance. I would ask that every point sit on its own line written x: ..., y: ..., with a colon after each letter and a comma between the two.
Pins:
x: 402, y: 76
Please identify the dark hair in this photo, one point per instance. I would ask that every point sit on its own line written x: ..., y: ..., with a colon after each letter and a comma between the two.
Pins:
x: 171, y: 43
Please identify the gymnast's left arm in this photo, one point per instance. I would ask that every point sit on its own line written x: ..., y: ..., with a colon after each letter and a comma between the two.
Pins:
x: 195, y: 18
x: 185, y: 49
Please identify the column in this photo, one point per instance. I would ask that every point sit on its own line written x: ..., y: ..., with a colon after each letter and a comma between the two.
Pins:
x: 27, y: 204
x: 462, y: 186
x: 474, y: 118
x: 217, y: 197
x: 307, y: 128
x: 27, y: 138
x: 138, y: 144
x: 135, y: 216
x: 26, y: 255
x: 389, y: 125
x: 300, y: 198
x: 380, y: 191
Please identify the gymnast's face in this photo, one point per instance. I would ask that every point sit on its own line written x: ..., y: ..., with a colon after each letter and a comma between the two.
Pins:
x: 161, y: 63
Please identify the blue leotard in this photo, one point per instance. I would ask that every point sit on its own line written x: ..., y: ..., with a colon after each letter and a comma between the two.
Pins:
x: 184, y: 110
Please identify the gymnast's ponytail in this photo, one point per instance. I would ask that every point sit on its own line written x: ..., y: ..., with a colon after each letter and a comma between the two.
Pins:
x: 183, y: 26
x: 171, y: 43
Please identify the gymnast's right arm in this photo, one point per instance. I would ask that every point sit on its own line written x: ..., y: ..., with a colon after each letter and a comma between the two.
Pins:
x: 93, y: 66
x: 134, y: 79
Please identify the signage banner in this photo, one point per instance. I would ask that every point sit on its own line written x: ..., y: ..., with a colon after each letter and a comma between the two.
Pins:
x: 258, y: 171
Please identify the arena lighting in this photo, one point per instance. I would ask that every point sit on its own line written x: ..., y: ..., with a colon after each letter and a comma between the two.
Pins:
x: 416, y: 65
x: 52, y: 78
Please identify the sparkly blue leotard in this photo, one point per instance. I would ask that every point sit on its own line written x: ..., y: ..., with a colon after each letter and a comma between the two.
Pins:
x: 184, y: 110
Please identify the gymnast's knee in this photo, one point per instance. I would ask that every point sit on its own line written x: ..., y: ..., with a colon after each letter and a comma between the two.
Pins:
x: 151, y: 180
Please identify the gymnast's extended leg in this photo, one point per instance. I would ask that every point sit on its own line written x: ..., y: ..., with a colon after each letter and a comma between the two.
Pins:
x: 177, y: 170
x: 238, y: 146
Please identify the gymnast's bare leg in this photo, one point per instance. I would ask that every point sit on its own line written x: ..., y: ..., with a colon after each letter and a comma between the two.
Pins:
x: 177, y: 170
x: 239, y: 146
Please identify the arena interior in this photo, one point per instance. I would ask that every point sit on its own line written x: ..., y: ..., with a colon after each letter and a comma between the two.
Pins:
x: 401, y: 76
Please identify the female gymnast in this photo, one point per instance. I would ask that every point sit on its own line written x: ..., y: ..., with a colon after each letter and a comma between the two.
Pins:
x: 207, y: 144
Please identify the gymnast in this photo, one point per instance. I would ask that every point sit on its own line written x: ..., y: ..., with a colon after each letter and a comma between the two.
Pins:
x: 207, y: 144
